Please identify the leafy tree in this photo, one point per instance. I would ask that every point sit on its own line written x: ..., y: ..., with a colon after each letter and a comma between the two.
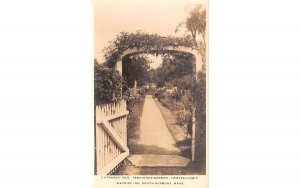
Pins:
x: 195, y: 23
x: 184, y: 64
x: 135, y: 69
x: 185, y: 82
x: 174, y: 66
x: 162, y: 74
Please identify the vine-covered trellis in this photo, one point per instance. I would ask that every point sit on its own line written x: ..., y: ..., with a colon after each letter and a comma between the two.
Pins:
x: 144, y: 41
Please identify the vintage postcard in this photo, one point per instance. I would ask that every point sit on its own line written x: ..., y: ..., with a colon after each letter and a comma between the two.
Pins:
x: 150, y: 90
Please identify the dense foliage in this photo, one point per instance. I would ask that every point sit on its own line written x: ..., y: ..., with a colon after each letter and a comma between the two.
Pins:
x: 135, y: 68
x: 178, y: 101
x: 144, y: 41
x: 177, y: 68
x: 132, y: 97
x: 107, y: 84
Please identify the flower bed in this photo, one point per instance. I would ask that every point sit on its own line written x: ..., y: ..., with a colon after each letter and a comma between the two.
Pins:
x: 178, y: 101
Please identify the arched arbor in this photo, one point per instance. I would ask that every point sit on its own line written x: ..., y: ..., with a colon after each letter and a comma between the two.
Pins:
x: 153, y: 50
x: 127, y: 44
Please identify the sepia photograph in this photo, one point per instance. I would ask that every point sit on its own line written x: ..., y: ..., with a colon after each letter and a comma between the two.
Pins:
x: 149, y: 94
x: 150, y: 87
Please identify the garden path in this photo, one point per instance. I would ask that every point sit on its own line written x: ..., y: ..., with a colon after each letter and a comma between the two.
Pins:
x: 153, y: 129
x: 156, y: 152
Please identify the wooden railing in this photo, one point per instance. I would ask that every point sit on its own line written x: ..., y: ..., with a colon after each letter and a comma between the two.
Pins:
x: 111, y: 137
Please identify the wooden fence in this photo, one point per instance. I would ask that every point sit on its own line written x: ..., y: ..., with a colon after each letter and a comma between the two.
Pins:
x: 111, y: 137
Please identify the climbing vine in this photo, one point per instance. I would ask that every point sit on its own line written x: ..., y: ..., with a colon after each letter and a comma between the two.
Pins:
x: 147, y: 42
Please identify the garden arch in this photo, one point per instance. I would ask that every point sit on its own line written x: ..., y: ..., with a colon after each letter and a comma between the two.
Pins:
x: 111, y: 136
x: 167, y: 49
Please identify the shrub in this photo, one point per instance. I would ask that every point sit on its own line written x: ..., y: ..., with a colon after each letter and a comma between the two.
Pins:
x: 132, y: 97
x: 159, y: 94
x: 184, y: 117
x: 180, y: 102
x: 107, y: 84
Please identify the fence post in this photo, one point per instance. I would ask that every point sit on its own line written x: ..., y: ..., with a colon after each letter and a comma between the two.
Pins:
x: 95, y: 149
x: 193, y: 133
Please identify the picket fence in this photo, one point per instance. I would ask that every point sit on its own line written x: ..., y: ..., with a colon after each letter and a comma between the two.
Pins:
x: 111, y: 137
